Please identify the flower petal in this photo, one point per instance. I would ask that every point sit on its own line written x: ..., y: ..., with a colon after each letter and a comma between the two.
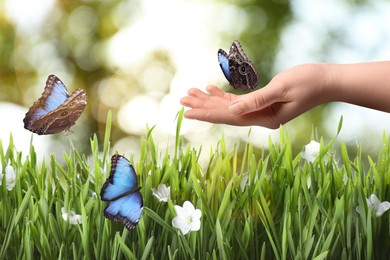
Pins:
x: 178, y: 222
x: 64, y: 214
x: 166, y: 191
x: 195, y: 225
x: 162, y: 193
x: 382, y: 208
x: 185, y: 229
x: 373, y: 201
x: 187, y: 205
x: 10, y: 177
x: 180, y: 211
x: 182, y: 224
x: 312, y: 150
x: 155, y: 193
x: 75, y: 219
x: 196, y: 214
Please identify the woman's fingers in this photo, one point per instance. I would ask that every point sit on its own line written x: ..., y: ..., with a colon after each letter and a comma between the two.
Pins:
x: 255, y: 101
x: 194, y: 99
x: 215, y: 91
x: 199, y: 99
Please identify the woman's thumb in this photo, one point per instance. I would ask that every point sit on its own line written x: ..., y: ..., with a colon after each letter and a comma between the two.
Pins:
x: 251, y: 102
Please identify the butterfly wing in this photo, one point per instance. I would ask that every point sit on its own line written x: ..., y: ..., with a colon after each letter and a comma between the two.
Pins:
x: 237, y: 52
x: 224, y: 63
x: 55, y: 111
x: 122, y: 191
x: 243, y: 74
x: 53, y: 96
x: 127, y: 209
x: 122, y: 179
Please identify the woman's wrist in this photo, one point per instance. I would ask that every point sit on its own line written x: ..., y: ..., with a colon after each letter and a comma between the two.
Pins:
x: 312, y: 83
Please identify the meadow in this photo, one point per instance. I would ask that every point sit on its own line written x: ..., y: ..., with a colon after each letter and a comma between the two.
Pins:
x: 255, y: 204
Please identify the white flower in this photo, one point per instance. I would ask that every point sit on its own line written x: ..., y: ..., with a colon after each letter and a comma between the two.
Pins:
x: 188, y: 218
x: 10, y: 177
x: 73, y: 217
x: 162, y: 193
x: 312, y: 150
x: 380, y: 207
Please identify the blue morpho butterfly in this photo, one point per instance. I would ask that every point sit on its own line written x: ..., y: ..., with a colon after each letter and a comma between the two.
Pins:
x: 236, y: 67
x: 122, y: 191
x: 55, y: 111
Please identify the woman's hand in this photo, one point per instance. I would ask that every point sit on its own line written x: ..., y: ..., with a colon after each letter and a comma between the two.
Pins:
x: 294, y: 91
x: 289, y: 94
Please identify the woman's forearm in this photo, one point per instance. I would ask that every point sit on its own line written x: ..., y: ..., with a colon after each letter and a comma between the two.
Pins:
x: 363, y: 84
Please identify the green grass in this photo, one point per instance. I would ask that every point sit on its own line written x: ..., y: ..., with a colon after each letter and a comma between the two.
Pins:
x: 276, y: 217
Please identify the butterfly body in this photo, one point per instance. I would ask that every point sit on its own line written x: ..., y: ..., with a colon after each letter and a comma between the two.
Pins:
x: 56, y: 110
x: 122, y: 192
x: 236, y: 67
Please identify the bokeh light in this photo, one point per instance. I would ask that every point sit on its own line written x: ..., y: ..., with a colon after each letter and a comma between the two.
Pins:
x: 138, y: 58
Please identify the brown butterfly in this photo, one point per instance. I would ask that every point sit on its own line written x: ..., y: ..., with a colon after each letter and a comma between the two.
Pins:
x: 55, y: 111
x: 236, y: 67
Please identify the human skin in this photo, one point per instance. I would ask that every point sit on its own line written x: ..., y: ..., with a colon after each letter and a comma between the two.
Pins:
x: 292, y: 92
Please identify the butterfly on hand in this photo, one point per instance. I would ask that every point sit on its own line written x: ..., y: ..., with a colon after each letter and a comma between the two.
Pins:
x: 236, y: 67
x: 56, y: 110
x: 122, y: 192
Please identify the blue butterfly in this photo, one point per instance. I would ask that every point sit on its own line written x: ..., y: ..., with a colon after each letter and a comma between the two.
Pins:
x: 56, y: 110
x: 122, y: 191
x: 236, y: 67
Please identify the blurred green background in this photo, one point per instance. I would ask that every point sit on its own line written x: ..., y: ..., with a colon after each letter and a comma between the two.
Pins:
x: 138, y: 58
